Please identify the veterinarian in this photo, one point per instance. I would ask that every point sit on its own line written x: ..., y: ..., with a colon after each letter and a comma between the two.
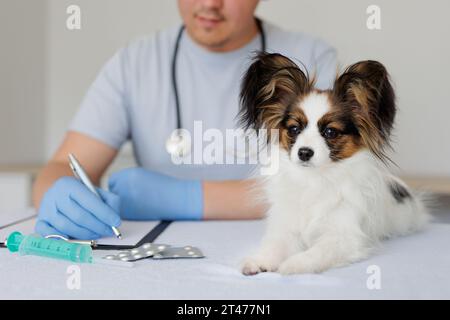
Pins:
x: 170, y: 80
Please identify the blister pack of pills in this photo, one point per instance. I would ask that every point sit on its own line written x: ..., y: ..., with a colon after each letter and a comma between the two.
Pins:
x: 156, y: 251
x: 177, y: 253
x: 145, y: 251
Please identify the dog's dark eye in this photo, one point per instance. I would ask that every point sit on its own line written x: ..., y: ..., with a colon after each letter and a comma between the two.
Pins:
x: 294, y: 131
x: 330, y: 133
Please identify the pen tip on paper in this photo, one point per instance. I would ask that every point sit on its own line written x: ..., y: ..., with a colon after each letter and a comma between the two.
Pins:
x: 117, y: 233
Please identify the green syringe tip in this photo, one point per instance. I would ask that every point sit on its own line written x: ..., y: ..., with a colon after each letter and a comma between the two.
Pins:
x: 84, y: 254
x: 13, y: 241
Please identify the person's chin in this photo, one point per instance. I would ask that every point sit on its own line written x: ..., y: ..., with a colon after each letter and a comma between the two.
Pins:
x: 213, y: 40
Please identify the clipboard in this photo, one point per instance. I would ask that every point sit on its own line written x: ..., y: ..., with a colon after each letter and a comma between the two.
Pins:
x: 154, y: 229
x: 148, y: 238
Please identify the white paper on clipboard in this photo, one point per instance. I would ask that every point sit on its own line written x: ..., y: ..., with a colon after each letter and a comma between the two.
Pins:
x: 132, y: 231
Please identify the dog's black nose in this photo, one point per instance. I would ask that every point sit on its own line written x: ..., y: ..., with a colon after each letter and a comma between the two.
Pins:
x: 305, y: 154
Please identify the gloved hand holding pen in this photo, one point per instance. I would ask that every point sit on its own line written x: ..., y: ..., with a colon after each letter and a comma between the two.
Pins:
x: 70, y: 209
x: 148, y: 195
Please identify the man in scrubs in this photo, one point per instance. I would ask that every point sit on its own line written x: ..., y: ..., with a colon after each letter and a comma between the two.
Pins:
x: 133, y: 99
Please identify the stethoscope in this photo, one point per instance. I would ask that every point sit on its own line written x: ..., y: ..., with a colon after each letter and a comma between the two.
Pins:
x: 179, y: 144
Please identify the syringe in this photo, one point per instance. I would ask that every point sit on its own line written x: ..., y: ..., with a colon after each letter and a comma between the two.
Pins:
x: 59, y: 249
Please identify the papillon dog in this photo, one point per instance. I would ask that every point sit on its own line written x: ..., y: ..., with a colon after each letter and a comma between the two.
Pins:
x: 332, y: 198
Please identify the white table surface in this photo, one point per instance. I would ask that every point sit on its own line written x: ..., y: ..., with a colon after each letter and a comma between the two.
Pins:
x: 416, y: 266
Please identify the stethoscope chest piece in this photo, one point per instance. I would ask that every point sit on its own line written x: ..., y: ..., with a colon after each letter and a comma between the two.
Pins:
x: 179, y: 144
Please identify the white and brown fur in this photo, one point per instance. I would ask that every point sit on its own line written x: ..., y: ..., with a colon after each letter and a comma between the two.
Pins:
x: 332, y: 199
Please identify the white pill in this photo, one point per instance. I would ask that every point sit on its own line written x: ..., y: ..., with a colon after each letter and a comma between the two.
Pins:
x: 150, y: 252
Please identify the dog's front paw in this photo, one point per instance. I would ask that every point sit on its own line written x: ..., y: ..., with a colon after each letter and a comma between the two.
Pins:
x: 256, y: 264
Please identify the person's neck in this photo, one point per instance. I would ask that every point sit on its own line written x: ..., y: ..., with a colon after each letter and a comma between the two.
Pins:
x: 235, y: 44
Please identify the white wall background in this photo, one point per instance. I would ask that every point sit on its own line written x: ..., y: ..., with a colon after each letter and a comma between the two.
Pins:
x: 23, y: 49
x: 413, y: 44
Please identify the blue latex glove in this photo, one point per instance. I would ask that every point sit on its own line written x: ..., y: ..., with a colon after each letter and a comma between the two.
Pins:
x: 69, y: 209
x: 148, y: 195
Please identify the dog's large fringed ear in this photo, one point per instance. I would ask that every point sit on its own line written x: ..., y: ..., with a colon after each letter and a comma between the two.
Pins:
x: 366, y: 89
x: 272, y: 83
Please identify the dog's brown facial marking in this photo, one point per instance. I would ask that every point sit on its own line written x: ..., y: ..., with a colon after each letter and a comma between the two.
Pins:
x: 339, y: 131
x: 335, y: 127
x: 292, y: 125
